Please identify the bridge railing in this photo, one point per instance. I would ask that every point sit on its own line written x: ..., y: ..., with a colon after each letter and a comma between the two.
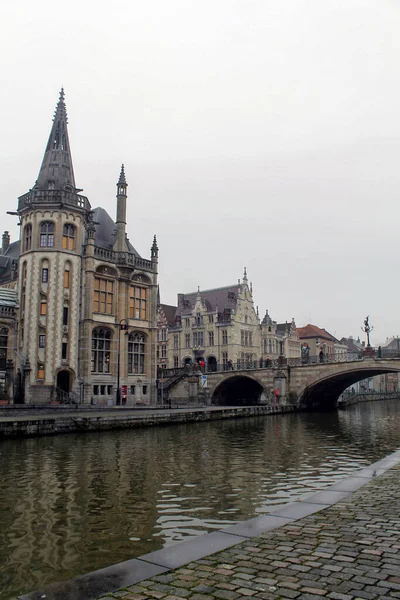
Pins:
x: 276, y: 363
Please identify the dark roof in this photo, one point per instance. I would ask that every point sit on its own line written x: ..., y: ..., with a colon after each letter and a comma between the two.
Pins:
x: 8, y: 260
x: 169, y: 312
x: 218, y: 298
x: 8, y: 297
x: 105, y: 230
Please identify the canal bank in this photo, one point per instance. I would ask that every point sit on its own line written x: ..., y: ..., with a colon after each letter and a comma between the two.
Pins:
x: 341, y: 543
x: 55, y: 421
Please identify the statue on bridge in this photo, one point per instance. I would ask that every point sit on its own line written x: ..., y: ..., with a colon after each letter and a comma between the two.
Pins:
x: 367, y: 329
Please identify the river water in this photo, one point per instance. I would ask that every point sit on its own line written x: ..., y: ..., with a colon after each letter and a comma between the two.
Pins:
x: 76, y: 503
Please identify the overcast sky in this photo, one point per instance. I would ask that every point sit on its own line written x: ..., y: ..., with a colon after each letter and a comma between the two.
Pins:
x: 263, y: 133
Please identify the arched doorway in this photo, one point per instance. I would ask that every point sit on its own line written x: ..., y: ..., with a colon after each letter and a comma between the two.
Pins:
x: 211, y: 364
x: 187, y: 361
x: 64, y: 381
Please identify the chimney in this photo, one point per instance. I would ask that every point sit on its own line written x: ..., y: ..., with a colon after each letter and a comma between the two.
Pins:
x: 5, y: 242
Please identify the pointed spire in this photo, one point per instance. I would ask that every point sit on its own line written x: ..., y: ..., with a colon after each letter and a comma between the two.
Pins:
x: 154, y: 249
x: 57, y: 172
x: 122, y: 179
x: 245, y: 275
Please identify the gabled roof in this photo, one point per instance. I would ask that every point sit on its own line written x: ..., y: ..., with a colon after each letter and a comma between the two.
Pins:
x: 8, y: 260
x: 312, y: 331
x: 169, y: 312
x: 218, y: 298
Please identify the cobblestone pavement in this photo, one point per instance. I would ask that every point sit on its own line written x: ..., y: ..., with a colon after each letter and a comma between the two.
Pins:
x: 348, y: 551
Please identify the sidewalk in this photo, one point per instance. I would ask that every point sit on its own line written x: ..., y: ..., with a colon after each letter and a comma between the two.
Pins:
x: 350, y: 550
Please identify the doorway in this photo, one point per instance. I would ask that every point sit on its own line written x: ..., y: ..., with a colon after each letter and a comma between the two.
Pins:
x: 64, y: 381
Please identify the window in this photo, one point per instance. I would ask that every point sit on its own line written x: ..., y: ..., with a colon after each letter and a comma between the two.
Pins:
x: 187, y: 322
x: 176, y: 362
x: 246, y: 319
x: 250, y: 338
x: 200, y: 338
x: 40, y: 371
x: 138, y: 302
x: 27, y: 237
x: 211, y: 319
x: 64, y: 350
x: 43, y: 307
x: 66, y: 279
x: 144, y: 390
x: 101, y: 350
x: 211, y: 338
x: 176, y: 341
x: 187, y: 340
x: 3, y: 347
x: 68, y: 241
x: 47, y: 234
x: 242, y: 338
x: 45, y: 275
x: 65, y: 315
x: 103, y: 295
x: 42, y: 341
x: 136, y: 350
x: 163, y: 351
x: 163, y: 335
x: 225, y: 360
x: 195, y: 338
x: 199, y: 319
x: 132, y: 390
x: 224, y: 336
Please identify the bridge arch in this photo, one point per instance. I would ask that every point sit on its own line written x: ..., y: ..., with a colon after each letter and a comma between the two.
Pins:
x: 238, y: 390
x: 324, y: 392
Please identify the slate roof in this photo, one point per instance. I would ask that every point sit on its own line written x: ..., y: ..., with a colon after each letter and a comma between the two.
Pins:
x: 105, y: 228
x: 8, y: 297
x: 7, y: 260
x: 351, y: 345
x: 218, y: 298
x: 169, y: 312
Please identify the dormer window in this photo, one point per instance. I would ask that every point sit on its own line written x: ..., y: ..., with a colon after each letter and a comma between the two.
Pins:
x: 51, y: 185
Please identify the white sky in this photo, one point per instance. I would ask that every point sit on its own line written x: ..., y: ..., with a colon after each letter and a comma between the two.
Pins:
x: 262, y: 133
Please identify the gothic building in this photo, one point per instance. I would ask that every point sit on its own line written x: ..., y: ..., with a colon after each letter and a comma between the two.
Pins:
x: 87, y: 301
x: 220, y: 325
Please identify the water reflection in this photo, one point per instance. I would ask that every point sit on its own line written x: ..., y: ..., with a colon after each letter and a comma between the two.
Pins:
x: 73, y: 504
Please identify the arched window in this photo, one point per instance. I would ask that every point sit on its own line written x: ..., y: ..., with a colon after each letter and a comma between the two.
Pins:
x: 101, y: 350
x: 68, y: 241
x: 136, y: 350
x: 3, y: 347
x: 67, y: 273
x: 27, y: 237
x: 47, y: 234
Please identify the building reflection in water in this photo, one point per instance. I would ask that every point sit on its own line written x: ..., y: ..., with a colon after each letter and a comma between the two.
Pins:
x: 75, y: 503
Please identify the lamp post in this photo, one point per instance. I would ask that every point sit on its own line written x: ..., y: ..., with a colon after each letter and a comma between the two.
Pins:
x: 122, y: 326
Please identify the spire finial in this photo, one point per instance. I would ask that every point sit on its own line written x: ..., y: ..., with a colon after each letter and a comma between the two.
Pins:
x: 245, y: 275
x: 122, y: 179
x: 154, y: 248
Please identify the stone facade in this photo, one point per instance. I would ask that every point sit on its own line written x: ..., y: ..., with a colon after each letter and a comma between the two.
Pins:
x: 279, y: 339
x: 87, y: 300
x: 220, y: 325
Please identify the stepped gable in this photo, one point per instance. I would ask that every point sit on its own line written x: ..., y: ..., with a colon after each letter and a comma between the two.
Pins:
x: 169, y: 313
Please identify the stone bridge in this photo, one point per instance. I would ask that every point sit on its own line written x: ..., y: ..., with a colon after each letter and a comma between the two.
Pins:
x: 308, y: 386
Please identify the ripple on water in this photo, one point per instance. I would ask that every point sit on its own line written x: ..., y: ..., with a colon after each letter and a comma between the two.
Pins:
x: 74, y: 504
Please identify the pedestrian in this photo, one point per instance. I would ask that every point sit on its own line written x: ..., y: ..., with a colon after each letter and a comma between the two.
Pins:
x: 230, y: 365
x: 321, y: 357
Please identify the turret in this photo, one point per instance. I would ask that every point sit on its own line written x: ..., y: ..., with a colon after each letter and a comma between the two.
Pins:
x: 120, y: 242
x: 5, y: 242
x: 154, y: 251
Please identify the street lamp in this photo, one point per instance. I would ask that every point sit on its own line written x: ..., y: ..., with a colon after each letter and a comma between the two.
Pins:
x: 122, y: 326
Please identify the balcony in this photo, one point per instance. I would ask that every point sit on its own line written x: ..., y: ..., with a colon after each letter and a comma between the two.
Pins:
x: 52, y: 197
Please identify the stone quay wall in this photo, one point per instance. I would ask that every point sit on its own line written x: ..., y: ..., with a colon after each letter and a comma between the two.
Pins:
x: 52, y: 424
